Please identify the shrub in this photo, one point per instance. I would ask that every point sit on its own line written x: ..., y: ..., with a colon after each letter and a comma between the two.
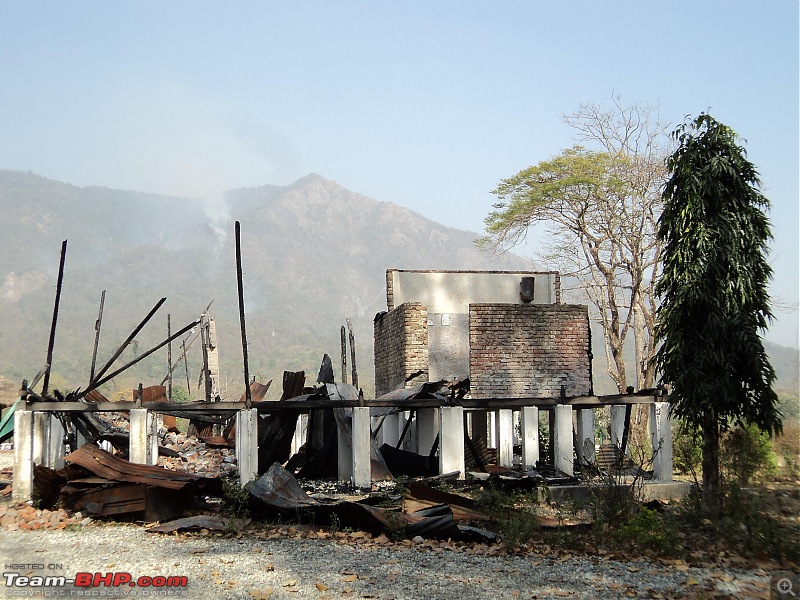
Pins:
x: 746, y: 454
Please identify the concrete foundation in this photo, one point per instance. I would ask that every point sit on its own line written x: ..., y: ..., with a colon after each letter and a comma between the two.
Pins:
x: 561, y: 438
x: 451, y: 440
x: 247, y: 444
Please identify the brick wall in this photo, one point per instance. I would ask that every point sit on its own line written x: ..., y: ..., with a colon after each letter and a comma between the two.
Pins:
x: 401, y: 346
x: 529, y: 351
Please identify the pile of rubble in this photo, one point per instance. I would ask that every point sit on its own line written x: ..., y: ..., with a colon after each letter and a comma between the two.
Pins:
x: 189, y: 454
x: 27, y: 518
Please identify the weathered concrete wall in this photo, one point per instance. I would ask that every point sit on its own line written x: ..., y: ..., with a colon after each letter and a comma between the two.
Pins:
x: 401, y: 346
x: 529, y: 351
x: 445, y: 292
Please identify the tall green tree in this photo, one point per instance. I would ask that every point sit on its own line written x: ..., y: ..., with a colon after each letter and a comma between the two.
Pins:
x: 713, y: 290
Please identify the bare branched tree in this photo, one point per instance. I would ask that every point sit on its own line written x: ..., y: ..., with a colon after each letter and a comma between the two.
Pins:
x: 599, y: 205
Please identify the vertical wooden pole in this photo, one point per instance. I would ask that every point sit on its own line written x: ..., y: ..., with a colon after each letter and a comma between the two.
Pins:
x: 52, y: 342
x: 248, y: 398
x: 97, y: 326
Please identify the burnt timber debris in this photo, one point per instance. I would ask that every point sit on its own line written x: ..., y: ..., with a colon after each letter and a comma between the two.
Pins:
x: 321, y: 432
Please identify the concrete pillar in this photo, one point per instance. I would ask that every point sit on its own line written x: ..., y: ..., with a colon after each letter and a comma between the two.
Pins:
x: 617, y: 424
x: 427, y: 430
x: 22, y: 486
x: 143, y: 448
x: 451, y: 440
x: 562, y: 438
x: 55, y: 444
x: 41, y: 430
x: 479, y: 424
x: 247, y: 444
x: 505, y: 437
x: 517, y: 428
x: 299, y: 437
x: 661, y: 437
x: 530, y: 436
x: 585, y: 436
x: 362, y: 473
x: 344, y: 449
x: 493, y: 429
x: 390, y: 430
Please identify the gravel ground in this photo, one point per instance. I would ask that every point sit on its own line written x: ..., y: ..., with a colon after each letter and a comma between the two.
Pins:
x: 285, y: 567
x: 260, y: 565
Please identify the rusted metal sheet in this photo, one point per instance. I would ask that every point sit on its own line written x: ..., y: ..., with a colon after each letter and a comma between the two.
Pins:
x: 278, y: 491
x: 106, y: 465
x: 200, y: 522
x: 154, y: 393
x: 421, y: 495
x: 112, y: 500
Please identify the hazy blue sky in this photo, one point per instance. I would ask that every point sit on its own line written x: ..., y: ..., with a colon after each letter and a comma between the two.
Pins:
x: 424, y: 104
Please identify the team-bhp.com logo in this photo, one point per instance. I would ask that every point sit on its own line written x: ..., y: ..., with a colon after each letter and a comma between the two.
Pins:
x: 97, y: 580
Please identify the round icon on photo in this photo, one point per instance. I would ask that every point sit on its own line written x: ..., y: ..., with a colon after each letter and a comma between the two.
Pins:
x: 784, y: 586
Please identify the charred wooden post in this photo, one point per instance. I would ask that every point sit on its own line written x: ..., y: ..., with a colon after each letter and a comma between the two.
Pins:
x: 97, y: 325
x: 344, y: 354
x: 248, y: 399
x: 169, y: 359
x: 95, y: 382
x: 353, y: 352
x: 51, y: 343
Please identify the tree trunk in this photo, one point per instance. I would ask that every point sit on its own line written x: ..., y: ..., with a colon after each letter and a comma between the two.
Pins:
x: 712, y: 494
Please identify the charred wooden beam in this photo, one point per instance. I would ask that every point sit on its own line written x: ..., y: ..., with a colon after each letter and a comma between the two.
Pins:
x: 51, y: 343
x: 97, y: 325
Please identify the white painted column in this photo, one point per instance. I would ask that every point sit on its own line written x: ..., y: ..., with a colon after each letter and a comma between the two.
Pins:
x: 247, y: 444
x: 530, y: 436
x: 344, y: 449
x: 140, y: 450
x: 505, y: 437
x: 427, y: 430
x: 22, y: 485
x: 451, y: 440
x: 41, y: 428
x: 585, y: 436
x: 390, y: 430
x: 479, y: 423
x: 617, y: 424
x: 55, y: 444
x: 562, y: 439
x: 362, y: 472
x: 299, y: 437
x: 493, y: 429
x: 516, y: 428
x: 661, y: 437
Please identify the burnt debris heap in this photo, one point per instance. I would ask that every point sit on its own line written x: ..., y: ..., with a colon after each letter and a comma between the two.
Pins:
x: 465, y: 363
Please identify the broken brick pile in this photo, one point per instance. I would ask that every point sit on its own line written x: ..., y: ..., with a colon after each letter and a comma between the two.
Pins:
x: 27, y: 518
x: 195, y: 456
